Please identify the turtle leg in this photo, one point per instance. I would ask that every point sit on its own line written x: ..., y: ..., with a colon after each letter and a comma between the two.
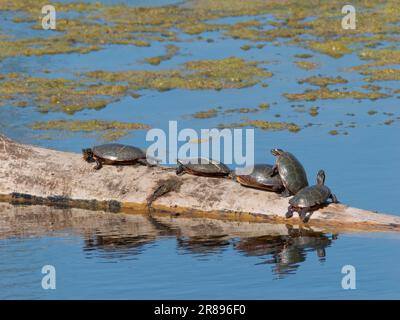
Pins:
x: 179, y: 170
x: 285, y: 193
x: 334, y: 199
x: 274, y: 171
x: 321, y: 253
x: 99, y: 164
x: 303, y: 214
x: 289, y: 213
x: 232, y: 175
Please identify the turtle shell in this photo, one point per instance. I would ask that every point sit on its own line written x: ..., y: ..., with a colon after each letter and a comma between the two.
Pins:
x: 311, y: 196
x: 292, y: 172
x: 204, y: 167
x: 118, y: 152
x: 260, y: 178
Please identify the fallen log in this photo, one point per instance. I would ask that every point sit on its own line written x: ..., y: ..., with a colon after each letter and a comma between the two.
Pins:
x: 33, y: 175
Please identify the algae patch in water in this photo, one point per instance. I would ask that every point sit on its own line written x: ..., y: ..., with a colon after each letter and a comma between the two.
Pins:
x: 110, y: 130
x: 381, y: 75
x: 171, y: 51
x: 230, y: 72
x: 113, y: 24
x: 263, y: 106
x: 240, y: 110
x: 323, y: 81
x: 99, y: 88
x: 57, y: 94
x: 313, y: 111
x: 263, y: 125
x: 303, y: 56
x: 333, y: 132
x: 325, y: 93
x: 306, y: 65
x: 211, y: 113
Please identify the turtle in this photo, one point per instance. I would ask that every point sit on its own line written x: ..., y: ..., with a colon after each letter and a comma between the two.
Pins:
x: 114, y: 154
x: 260, y: 178
x: 310, y: 198
x: 291, y: 171
x: 202, y: 167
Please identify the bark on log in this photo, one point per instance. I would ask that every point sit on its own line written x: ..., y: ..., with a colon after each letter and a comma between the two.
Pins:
x: 36, y: 175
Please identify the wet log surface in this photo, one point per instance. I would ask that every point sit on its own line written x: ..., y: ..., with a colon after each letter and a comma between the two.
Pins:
x: 33, y: 175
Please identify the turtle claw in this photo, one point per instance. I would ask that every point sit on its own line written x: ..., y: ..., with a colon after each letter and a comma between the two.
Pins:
x: 99, y: 165
x: 303, y: 216
x: 289, y: 213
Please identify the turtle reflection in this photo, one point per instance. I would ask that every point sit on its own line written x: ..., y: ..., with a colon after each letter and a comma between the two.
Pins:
x: 286, y: 252
x: 117, y: 246
x: 202, y: 245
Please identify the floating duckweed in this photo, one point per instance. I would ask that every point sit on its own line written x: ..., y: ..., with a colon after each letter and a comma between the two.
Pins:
x: 323, y: 81
x: 21, y: 104
x: 87, y: 126
x: 154, y: 60
x: 135, y: 95
x: 263, y: 106
x: 263, y: 125
x: 371, y: 87
x: 377, y: 24
x: 303, y: 56
x: 246, y: 47
x: 381, y: 75
x: 203, y: 74
x: 307, y: 65
x: 313, y: 111
x: 240, y: 110
x: 59, y: 94
x: 381, y: 57
x: 211, y: 113
x: 171, y: 50
x: 113, y: 135
x: 335, y: 49
x: 333, y: 132
x: 324, y: 93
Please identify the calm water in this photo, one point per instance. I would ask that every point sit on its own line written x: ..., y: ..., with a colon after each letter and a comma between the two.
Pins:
x: 99, y: 255
x: 103, y: 255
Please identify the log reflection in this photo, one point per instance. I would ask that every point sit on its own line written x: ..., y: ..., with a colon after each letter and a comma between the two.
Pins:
x: 113, y: 237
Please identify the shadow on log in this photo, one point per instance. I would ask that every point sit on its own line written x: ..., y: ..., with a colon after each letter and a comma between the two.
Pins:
x: 33, y: 175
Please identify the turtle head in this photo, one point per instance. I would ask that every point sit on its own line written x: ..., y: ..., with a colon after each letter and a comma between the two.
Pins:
x: 88, y: 155
x: 321, y: 177
x: 276, y: 152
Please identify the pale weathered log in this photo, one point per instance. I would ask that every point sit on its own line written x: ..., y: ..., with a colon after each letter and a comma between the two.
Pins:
x: 35, y: 175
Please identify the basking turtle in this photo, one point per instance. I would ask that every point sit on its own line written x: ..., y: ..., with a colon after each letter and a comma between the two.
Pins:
x: 291, y: 171
x: 260, y: 178
x: 310, y: 198
x: 202, y: 167
x: 114, y: 153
